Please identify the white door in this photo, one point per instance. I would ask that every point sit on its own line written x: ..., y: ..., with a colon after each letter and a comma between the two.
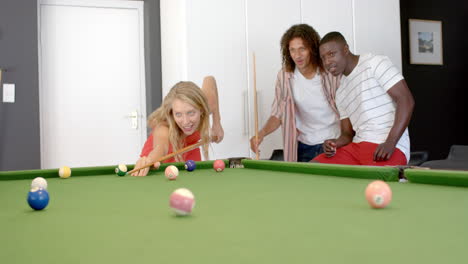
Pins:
x: 217, y: 46
x: 208, y: 37
x: 92, y: 83
x: 267, y: 21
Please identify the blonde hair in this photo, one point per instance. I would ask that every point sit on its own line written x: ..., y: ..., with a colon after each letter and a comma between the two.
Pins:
x: 190, y: 93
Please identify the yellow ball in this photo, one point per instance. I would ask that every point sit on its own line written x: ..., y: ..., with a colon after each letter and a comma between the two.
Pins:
x: 64, y: 172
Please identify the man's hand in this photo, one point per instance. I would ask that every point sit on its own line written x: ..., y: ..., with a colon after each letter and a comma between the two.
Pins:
x: 384, y: 151
x: 329, y: 147
x: 254, y: 144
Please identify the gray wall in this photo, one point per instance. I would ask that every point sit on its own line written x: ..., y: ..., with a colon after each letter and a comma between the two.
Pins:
x: 153, y: 55
x: 19, y: 122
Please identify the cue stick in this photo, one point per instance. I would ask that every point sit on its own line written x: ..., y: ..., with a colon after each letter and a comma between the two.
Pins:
x: 255, y: 104
x: 168, y: 156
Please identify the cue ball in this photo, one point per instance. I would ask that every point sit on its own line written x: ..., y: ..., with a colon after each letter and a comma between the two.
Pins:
x: 182, y: 201
x: 64, y: 172
x: 121, y: 170
x: 38, y: 198
x: 171, y: 172
x: 190, y: 165
x: 378, y: 194
x: 39, y: 182
x: 219, y: 165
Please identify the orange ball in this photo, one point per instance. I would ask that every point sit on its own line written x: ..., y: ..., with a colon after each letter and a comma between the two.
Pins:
x: 378, y: 194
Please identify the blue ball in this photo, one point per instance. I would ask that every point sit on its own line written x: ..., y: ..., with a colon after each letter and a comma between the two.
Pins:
x: 38, y: 198
x: 190, y: 165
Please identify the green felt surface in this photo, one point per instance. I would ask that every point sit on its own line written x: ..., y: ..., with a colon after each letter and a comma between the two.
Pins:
x: 241, y: 216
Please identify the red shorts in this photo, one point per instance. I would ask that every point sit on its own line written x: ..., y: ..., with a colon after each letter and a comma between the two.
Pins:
x: 361, y: 154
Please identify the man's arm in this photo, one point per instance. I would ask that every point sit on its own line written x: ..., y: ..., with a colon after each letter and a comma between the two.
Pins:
x: 404, y: 101
x: 210, y: 90
x: 276, y: 113
x: 271, y: 125
x: 347, y: 134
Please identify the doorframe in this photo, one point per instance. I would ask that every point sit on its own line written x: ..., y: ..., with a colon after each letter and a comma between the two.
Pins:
x: 123, y: 4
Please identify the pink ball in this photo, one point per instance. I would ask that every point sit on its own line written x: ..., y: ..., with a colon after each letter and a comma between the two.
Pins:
x: 171, y: 172
x: 182, y: 201
x: 378, y: 194
x: 219, y: 165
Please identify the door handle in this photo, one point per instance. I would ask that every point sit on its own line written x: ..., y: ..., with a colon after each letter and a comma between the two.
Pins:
x: 134, y: 118
x: 245, y: 100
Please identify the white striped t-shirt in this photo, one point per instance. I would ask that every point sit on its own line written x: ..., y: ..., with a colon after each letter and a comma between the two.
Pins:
x: 362, y: 97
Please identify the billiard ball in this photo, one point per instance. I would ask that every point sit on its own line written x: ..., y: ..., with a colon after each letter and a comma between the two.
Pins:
x: 182, y: 201
x: 219, y: 165
x: 171, y: 172
x: 378, y: 194
x: 39, y: 182
x: 121, y: 170
x: 190, y: 165
x: 38, y: 198
x: 64, y: 172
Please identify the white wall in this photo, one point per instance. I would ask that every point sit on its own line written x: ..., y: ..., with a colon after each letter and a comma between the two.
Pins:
x: 213, y: 37
x: 339, y: 17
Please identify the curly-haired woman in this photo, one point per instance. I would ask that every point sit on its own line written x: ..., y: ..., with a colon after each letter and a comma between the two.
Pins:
x: 304, y: 103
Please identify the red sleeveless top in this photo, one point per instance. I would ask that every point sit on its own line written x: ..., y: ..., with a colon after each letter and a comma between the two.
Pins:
x: 193, y: 154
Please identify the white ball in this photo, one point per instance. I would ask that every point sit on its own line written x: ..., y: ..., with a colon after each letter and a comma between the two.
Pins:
x: 40, y: 183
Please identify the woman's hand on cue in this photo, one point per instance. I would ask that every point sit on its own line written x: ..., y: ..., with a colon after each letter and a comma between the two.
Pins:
x: 141, y: 162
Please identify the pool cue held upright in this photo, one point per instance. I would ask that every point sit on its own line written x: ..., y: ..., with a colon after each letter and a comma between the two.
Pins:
x: 255, y: 104
x: 168, y: 156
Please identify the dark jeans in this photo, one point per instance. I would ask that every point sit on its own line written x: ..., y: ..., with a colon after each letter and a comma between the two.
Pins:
x: 306, y: 153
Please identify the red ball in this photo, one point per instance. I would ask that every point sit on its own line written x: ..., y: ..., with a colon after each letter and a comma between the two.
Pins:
x: 171, y: 172
x: 182, y: 201
x: 378, y: 194
x: 219, y: 165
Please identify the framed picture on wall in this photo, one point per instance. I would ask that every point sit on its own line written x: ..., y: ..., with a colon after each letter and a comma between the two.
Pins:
x: 425, y: 42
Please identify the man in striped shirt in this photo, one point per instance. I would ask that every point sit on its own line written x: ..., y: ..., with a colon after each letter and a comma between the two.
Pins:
x: 375, y: 107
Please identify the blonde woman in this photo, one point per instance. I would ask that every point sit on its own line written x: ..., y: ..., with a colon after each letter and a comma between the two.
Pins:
x: 180, y: 121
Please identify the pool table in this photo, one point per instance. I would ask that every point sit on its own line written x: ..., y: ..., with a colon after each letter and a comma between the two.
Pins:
x: 265, y: 212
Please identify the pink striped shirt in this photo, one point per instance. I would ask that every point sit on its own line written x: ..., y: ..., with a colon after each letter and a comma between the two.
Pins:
x: 283, y: 107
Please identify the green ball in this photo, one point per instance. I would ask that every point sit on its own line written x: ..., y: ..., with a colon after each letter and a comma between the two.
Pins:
x: 121, y: 170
